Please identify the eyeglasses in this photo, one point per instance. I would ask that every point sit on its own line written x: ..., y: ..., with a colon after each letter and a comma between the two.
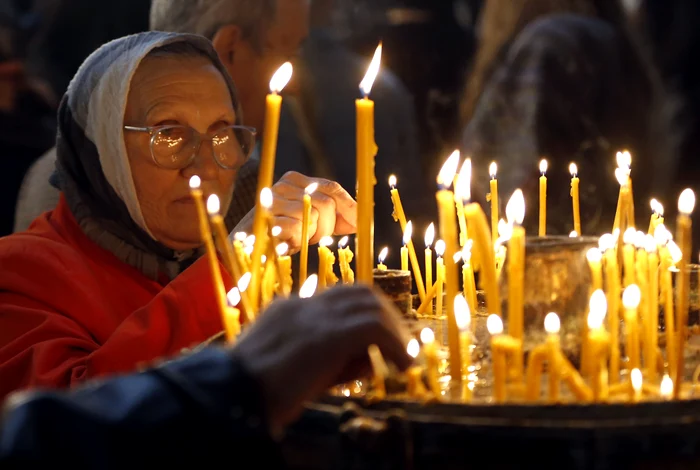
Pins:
x: 174, y: 147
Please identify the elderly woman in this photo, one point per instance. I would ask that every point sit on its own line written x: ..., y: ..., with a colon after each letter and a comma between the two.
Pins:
x: 113, y: 278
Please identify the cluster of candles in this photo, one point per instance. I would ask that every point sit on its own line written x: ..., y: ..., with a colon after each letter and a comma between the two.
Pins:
x: 262, y: 267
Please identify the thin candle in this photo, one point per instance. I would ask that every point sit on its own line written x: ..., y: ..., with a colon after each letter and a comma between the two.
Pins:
x: 613, y: 290
x: 429, y: 238
x: 284, y: 263
x: 501, y: 347
x: 463, y: 319
x: 262, y: 210
x: 440, y: 270
x: 305, y: 221
x: 573, y: 169
x: 684, y: 237
x: 232, y: 319
x: 552, y: 325
x: 427, y: 337
x: 407, y: 234
x: 630, y: 300
x: 493, y: 197
x: 324, y: 262
x: 599, y: 343
x: 343, y: 260
x: 515, y: 212
x: 468, y: 282
x: 543, y: 198
x: 652, y: 326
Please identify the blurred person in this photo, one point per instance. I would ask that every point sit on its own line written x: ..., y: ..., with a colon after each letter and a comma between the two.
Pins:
x: 219, y: 405
x: 114, y: 277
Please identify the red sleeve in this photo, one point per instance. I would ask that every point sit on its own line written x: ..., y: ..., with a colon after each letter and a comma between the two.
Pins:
x: 48, y: 328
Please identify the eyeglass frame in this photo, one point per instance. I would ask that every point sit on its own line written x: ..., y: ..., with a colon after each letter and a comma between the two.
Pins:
x: 153, y: 130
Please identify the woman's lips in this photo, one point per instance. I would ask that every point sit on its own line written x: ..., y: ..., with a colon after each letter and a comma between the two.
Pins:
x: 185, y: 200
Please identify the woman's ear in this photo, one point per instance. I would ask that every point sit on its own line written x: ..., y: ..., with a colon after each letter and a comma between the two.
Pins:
x: 226, y: 42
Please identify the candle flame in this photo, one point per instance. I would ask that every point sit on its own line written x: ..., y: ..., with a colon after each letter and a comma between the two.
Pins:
x: 552, y: 324
x: 622, y: 176
x: 573, y: 169
x: 309, y: 287
x: 383, y: 254
x: 494, y: 325
x: 666, y: 387
x: 372, y: 72
x: 427, y: 336
x: 213, y: 204
x: 606, y: 242
x: 413, y: 348
x: 263, y: 259
x: 430, y: 235
x: 282, y: 249
x: 515, y: 209
x: 631, y: 297
x: 343, y: 242
x: 636, y: 379
x: 493, y: 169
x: 650, y: 244
x: 624, y: 160
x: 639, y: 239
x: 659, y: 209
x: 244, y: 282
x: 467, y: 252
x: 249, y: 241
x: 662, y: 235
x: 505, y: 230
x: 598, y: 303
x: 543, y: 166
x: 248, y: 250
x: 449, y: 170
x: 457, y: 257
x: 629, y: 236
x: 463, y: 189
x: 462, y: 314
x: 594, y: 255
x: 276, y: 231
x: 686, y: 203
x: 195, y: 182
x: 310, y: 189
x: 440, y: 247
x: 326, y: 241
x: 392, y: 181
x: 240, y: 236
x: 675, y: 252
x: 595, y: 320
x: 573, y: 234
x: 281, y: 78
x: 266, y: 198
x: 408, y: 233
x: 234, y: 297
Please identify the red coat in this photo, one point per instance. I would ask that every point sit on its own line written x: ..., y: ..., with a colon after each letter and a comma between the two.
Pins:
x: 71, y: 311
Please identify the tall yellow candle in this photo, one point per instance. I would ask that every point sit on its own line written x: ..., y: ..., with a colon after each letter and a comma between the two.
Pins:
x: 381, y: 258
x: 284, y: 262
x: 407, y: 234
x: 324, y: 254
x: 366, y: 152
x: 483, y: 245
x: 463, y: 318
x: 232, y: 323
x: 440, y: 270
x: 624, y: 208
x: 493, y: 197
x: 630, y: 300
x: 468, y: 282
x: 305, y: 221
x: 448, y: 231
x: 429, y: 238
x: 400, y: 216
x: 612, y: 288
x: 427, y: 337
x: 595, y: 257
x: 575, y: 201
x: 669, y: 311
x: 552, y: 325
x: 652, y: 327
x: 656, y: 207
x: 501, y: 347
x: 642, y: 277
x: 599, y: 342
x: 266, y: 172
x: 515, y: 212
x: 628, y: 255
x: 684, y: 237
x: 543, y: 198
x: 205, y: 232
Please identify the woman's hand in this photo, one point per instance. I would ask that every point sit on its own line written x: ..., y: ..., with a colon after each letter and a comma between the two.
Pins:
x: 299, y: 348
x: 333, y: 210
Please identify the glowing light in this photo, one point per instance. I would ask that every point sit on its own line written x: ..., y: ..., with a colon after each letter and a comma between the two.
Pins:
x: 392, y: 181
x: 234, y: 297
x: 326, y: 241
x: 594, y: 255
x: 515, y: 209
x: 639, y: 239
x: 408, y: 233
x: 631, y: 297
x: 666, y: 388
x: 276, y: 231
x: 427, y: 336
x: 552, y: 324
x: 505, y: 230
x: 266, y: 198
x: 244, y: 282
x: 686, y: 203
x: 343, y: 242
x: 281, y: 78
x: 413, y: 348
x: 624, y: 159
x: 622, y: 176
x: 649, y: 244
x: 282, y: 249
x: 449, y: 170
x: 372, y: 72
x: 493, y: 169
x: 249, y: 241
x: 457, y: 257
x: 606, y: 242
x: 240, y: 236
x: 462, y: 314
x: 213, y: 204
x: 573, y: 169
x: 440, y: 247
x: 636, y: 379
x: 662, y: 235
x: 309, y: 288
x: 310, y: 189
x: 494, y: 325
x: 573, y: 234
x: 429, y: 235
x: 383, y: 254
x: 195, y: 182
x: 598, y: 309
x: 543, y: 166
x: 629, y: 236
x: 463, y: 189
x: 675, y: 252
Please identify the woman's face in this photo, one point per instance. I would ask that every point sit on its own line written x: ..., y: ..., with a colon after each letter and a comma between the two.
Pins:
x: 184, y: 91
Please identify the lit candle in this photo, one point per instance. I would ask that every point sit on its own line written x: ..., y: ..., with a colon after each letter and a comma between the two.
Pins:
x: 662, y: 237
x: 380, y: 371
x: 232, y: 319
x: 630, y: 300
x: 266, y: 173
x: 427, y: 337
x: 628, y: 256
x: 429, y: 238
x: 493, y: 197
x: 382, y: 256
x: 407, y: 234
x: 343, y: 260
x: 636, y: 380
x: 239, y: 250
x: 464, y: 319
x: 440, y: 270
x: 483, y: 245
x: 414, y: 374
x: 653, y: 222
x: 205, y: 233
x: 248, y: 246
x: 284, y: 261
x: 624, y: 215
x: 501, y: 346
x: 324, y: 261
x: 543, y: 198
x: 305, y: 221
x: 573, y: 169
x: 612, y: 288
x: 468, y: 276
x: 400, y: 216
x: 366, y: 152
x: 552, y: 326
x: 262, y: 210
x: 684, y: 235
x: 448, y: 231
x: 642, y: 278
x: 599, y: 343
x: 595, y: 257
x: 515, y: 212
x: 308, y: 289
x: 652, y: 326
x: 666, y: 388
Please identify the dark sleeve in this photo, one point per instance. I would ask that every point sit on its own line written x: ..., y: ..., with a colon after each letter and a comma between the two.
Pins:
x: 198, y: 411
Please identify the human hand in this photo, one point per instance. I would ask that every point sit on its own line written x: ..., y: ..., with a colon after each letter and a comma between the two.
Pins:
x: 333, y: 210
x: 299, y: 348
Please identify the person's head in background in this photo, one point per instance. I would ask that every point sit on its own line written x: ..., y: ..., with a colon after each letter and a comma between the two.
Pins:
x: 252, y: 37
x: 500, y: 23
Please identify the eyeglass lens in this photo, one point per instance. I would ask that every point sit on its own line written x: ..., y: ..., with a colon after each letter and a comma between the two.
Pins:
x: 174, y: 147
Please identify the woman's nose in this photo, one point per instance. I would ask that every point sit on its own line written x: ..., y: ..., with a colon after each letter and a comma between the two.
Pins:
x: 203, y: 164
